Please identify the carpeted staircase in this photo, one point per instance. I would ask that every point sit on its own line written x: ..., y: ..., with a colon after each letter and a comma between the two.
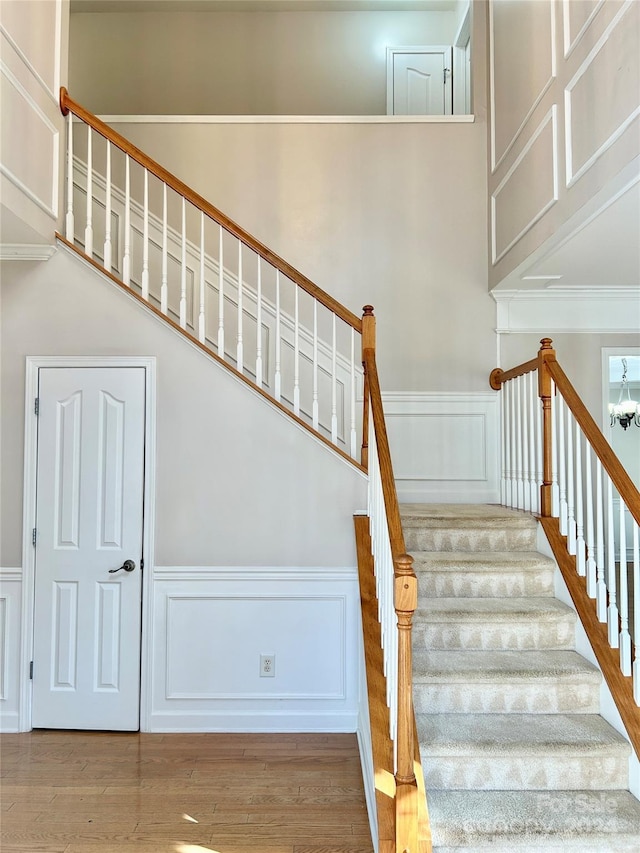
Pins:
x: 514, y: 752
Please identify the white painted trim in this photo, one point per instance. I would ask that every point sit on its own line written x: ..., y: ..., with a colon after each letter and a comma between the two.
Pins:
x: 601, y: 310
x: 33, y: 365
x: 26, y: 252
x: 572, y: 177
x: 462, y: 38
x: 277, y: 119
x: 570, y: 46
x: 10, y: 573
x: 52, y: 209
x: 237, y: 574
x: 251, y: 721
x: 26, y: 61
x: 551, y: 116
x: 495, y: 164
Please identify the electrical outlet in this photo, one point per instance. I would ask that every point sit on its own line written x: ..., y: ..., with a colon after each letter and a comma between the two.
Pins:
x: 267, y: 666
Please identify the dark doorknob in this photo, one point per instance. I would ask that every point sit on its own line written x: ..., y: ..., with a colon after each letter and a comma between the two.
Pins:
x: 128, y: 566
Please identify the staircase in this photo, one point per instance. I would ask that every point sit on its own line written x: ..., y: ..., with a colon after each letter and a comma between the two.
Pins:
x: 514, y: 752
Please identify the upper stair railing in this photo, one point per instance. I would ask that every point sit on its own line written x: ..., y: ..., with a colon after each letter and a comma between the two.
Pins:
x: 207, y: 276
x: 557, y: 463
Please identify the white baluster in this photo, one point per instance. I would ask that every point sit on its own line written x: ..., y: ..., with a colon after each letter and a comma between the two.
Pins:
x: 581, y: 556
x: 296, y: 350
x: 334, y: 409
x: 183, y: 268
x: 612, y: 609
x: 625, y: 637
x: 107, y: 212
x: 519, y: 440
x: 126, y: 260
x: 354, y: 448
x: 555, y: 432
x: 221, y: 294
x: 239, y: 342
x: 524, y: 417
x: 277, y: 375
x: 88, y: 231
x: 145, y: 238
x: 69, y: 229
x: 259, y: 326
x: 504, y: 442
x: 533, y: 442
x: 571, y: 518
x: 590, y: 538
x: 636, y: 613
x: 540, y: 449
x: 164, y: 282
x: 601, y: 585
x: 314, y: 408
x: 514, y: 444
x: 202, y: 329
x: 562, y: 463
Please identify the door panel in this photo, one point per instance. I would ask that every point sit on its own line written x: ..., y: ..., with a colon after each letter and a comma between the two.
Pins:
x: 89, y: 514
x: 421, y: 82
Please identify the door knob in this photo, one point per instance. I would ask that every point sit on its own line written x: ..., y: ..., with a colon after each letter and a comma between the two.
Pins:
x: 128, y: 566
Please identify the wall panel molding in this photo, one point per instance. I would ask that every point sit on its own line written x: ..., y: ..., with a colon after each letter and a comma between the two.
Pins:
x: 10, y: 604
x: 463, y: 426
x: 575, y: 170
x: 544, y: 153
x: 570, y: 41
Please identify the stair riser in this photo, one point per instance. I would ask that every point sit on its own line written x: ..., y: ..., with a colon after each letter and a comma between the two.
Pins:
x: 433, y: 584
x: 562, y: 770
x: 518, y: 539
x: 557, y: 634
x: 575, y: 697
x: 514, y: 844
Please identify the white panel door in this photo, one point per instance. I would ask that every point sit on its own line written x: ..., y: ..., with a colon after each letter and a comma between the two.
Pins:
x: 421, y: 81
x: 89, y: 514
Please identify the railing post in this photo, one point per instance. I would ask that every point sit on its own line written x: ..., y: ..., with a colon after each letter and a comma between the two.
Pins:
x: 368, y: 342
x: 546, y: 353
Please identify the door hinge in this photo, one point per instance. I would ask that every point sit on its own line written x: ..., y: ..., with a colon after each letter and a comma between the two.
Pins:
x: 36, y: 406
x: 31, y: 671
x: 141, y: 564
x: 34, y: 534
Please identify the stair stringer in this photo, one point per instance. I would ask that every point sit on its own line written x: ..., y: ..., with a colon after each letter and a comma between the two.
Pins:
x: 608, y: 709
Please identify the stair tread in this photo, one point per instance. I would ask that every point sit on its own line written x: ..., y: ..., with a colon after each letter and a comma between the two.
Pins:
x: 504, y: 561
x: 491, y: 665
x: 464, y: 515
x: 455, y: 734
x: 497, y: 609
x: 534, y: 820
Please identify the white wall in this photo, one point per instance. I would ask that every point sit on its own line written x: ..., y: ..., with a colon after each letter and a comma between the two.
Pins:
x: 253, y: 523
x: 235, y: 63
x: 33, y: 39
x: 565, y: 118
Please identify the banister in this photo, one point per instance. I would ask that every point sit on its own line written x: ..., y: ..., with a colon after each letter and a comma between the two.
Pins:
x: 67, y: 105
x: 499, y: 376
x: 612, y: 465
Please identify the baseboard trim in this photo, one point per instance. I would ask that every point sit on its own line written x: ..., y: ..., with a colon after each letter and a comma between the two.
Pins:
x: 254, y: 722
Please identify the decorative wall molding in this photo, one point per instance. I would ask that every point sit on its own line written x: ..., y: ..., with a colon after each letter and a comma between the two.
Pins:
x: 10, y: 603
x: 48, y: 205
x: 570, y: 43
x: 575, y: 171
x: 307, y: 618
x: 52, y: 92
x: 464, y: 427
x: 496, y: 160
x: 26, y: 252
x: 549, y: 121
x: 272, y: 119
x: 568, y: 310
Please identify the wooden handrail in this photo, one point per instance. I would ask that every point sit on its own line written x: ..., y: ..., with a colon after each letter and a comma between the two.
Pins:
x: 499, y: 376
x: 67, y: 105
x: 610, y: 462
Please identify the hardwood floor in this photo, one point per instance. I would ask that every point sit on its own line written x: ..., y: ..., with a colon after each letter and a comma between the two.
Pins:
x: 94, y: 792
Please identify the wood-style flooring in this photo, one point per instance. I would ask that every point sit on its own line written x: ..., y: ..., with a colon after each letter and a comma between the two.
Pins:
x: 94, y: 792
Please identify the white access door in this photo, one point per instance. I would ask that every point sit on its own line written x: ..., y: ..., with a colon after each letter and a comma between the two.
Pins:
x: 419, y: 81
x: 89, y: 515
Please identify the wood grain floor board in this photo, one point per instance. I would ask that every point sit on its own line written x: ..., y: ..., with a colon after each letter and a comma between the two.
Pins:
x: 75, y: 792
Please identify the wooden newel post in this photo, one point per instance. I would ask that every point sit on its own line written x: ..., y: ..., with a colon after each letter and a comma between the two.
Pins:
x: 405, y: 600
x: 368, y: 342
x: 546, y: 353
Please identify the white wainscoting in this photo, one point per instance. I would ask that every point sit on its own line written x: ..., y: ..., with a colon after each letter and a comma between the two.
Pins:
x: 10, y: 614
x: 444, y: 447
x: 210, y: 626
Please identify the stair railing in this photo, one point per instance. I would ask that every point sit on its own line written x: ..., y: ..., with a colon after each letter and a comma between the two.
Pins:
x: 396, y: 588
x: 556, y: 462
x: 211, y: 279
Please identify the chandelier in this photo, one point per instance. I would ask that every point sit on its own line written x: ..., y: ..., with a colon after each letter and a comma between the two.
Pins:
x: 626, y: 410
